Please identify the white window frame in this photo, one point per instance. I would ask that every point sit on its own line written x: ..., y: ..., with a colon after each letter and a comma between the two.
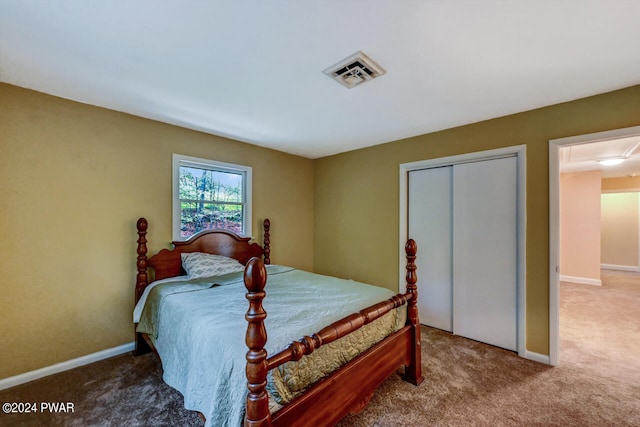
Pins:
x: 188, y: 161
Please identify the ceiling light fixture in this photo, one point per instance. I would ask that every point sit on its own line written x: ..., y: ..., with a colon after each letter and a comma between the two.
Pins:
x: 611, y: 161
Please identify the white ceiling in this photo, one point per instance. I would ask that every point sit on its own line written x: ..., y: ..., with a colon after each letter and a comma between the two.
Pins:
x: 584, y: 157
x: 252, y: 69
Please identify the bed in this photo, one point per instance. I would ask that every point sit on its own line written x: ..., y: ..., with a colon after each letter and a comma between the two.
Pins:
x: 195, y: 325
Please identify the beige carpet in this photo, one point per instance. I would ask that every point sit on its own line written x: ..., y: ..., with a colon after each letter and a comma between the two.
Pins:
x: 467, y: 383
x: 600, y: 325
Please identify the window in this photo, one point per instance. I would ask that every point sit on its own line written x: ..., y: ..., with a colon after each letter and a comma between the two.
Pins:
x: 209, y: 194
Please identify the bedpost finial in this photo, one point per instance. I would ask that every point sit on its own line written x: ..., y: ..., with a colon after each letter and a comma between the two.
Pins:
x: 142, y: 224
x: 255, y: 275
x: 411, y: 247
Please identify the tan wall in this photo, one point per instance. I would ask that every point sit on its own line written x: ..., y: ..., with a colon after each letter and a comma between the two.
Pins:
x: 73, y: 181
x: 357, y: 196
x: 580, y: 225
x: 620, y: 222
x: 627, y: 183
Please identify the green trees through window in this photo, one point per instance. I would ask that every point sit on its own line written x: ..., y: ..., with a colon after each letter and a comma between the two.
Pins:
x: 210, y: 199
x: 210, y: 195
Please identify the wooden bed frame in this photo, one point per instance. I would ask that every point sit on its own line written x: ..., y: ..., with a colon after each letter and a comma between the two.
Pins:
x: 347, y: 390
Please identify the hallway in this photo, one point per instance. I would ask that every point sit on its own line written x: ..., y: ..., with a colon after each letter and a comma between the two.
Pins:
x: 600, y: 325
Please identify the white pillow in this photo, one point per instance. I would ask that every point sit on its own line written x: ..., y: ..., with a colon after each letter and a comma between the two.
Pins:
x: 200, y: 264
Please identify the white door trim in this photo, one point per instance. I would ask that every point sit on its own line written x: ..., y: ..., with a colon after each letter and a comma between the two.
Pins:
x: 554, y: 225
x: 520, y: 152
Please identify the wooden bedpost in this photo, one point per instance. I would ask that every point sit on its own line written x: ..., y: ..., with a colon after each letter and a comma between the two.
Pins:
x: 255, y: 279
x: 141, y: 280
x: 266, y: 242
x: 413, y: 372
x: 141, y: 277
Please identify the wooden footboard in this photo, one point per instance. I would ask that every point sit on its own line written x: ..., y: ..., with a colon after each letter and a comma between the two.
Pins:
x: 349, y: 388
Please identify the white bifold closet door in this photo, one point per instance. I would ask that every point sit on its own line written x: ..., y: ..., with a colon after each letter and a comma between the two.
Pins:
x: 485, y: 251
x: 466, y: 230
x: 430, y: 225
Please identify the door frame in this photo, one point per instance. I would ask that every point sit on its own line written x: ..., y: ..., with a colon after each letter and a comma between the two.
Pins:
x: 554, y: 224
x: 519, y: 151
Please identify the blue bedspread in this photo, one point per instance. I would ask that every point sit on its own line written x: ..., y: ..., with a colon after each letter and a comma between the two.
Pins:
x: 199, y: 328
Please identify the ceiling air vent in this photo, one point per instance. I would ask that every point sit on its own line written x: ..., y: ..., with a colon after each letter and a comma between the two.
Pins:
x: 354, y: 70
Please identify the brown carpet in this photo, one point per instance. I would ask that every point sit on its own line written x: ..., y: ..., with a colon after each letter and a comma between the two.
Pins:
x: 467, y: 383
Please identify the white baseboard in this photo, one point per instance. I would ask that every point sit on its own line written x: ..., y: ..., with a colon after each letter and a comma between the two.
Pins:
x: 581, y: 280
x: 65, y: 366
x: 620, y: 267
x: 537, y: 357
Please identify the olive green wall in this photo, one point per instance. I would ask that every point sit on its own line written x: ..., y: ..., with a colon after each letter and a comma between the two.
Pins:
x: 356, y: 230
x: 73, y: 181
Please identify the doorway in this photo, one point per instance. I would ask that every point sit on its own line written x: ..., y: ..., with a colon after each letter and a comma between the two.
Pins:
x: 555, y: 149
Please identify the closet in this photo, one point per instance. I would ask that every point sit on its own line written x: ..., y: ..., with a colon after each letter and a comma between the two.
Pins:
x: 464, y: 218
